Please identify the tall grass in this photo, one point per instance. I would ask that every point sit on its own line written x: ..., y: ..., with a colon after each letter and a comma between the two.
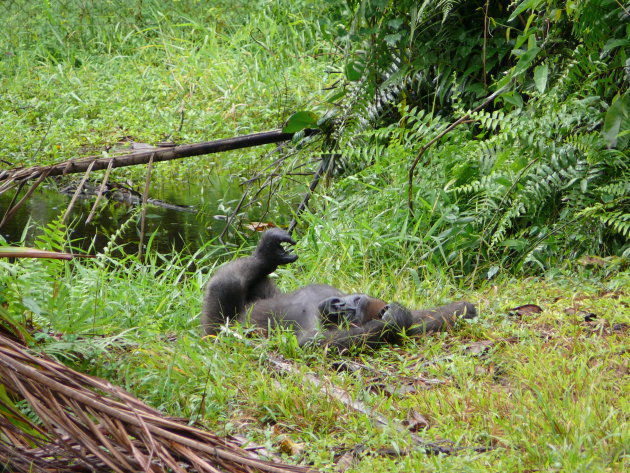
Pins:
x: 80, y: 75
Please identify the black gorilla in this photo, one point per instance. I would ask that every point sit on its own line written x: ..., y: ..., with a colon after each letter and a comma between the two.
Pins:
x: 241, y: 290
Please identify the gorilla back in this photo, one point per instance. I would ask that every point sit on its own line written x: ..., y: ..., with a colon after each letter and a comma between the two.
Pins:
x: 242, y: 290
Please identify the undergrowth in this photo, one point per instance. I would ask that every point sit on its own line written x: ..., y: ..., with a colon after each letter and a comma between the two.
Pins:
x: 543, y: 391
x: 536, y: 176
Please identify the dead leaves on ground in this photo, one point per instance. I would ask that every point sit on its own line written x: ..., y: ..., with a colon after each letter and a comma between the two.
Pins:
x: 584, y: 309
x: 388, y: 382
x: 415, y: 421
x: 525, y: 310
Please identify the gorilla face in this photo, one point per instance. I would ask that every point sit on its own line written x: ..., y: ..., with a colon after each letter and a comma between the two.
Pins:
x: 353, y: 309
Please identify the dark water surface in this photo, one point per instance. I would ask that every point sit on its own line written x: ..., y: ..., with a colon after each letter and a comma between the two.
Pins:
x: 213, y: 199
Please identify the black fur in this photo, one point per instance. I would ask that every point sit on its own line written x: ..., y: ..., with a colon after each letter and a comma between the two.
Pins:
x: 242, y: 290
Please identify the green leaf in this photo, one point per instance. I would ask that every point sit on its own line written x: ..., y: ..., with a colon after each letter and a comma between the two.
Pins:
x: 493, y: 271
x: 521, y: 39
x: 525, y: 60
x: 395, y: 23
x: 392, y: 39
x: 613, y: 119
x: 32, y: 305
x: 615, y: 43
x: 531, y: 4
x: 299, y: 121
x: 518, y: 244
x: 540, y: 77
x: 336, y: 95
x: 354, y: 71
x: 513, y: 98
x: 504, y: 181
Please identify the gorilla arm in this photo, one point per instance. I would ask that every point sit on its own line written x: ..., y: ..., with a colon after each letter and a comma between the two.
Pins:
x: 440, y: 318
x: 396, y: 321
x: 388, y: 329
x: 245, y: 280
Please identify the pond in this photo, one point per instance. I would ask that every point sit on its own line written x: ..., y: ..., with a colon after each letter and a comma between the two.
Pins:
x: 212, y: 199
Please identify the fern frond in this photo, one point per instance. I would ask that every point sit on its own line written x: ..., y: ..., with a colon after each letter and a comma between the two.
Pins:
x: 617, y: 189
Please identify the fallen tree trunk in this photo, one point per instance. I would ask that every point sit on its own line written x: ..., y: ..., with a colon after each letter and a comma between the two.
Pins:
x: 78, y: 165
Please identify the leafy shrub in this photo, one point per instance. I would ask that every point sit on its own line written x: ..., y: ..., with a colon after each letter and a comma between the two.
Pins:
x: 538, y: 176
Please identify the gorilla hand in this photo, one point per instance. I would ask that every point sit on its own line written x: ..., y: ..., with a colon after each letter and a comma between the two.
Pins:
x: 270, y: 249
x: 397, y: 317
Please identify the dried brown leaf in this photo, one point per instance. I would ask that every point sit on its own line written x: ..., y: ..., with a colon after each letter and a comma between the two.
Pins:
x: 416, y: 421
x: 346, y: 461
x: 258, y: 226
x: 526, y: 309
x: 288, y: 446
x: 477, y: 348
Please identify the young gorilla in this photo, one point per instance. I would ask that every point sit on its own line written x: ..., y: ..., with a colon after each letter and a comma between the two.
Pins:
x: 241, y: 290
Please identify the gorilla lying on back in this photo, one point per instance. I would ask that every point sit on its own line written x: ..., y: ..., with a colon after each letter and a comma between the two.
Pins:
x: 242, y: 290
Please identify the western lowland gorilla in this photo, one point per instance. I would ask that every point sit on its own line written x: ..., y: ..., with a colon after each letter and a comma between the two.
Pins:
x: 242, y: 290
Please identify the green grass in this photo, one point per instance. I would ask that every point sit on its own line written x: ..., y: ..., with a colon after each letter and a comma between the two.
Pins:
x: 77, y: 76
x: 547, y: 391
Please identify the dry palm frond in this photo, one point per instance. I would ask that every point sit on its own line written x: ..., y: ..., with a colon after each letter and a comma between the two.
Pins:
x: 89, y: 425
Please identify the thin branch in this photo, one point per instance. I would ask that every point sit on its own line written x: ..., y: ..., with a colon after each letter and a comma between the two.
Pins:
x: 623, y: 7
x: 101, y: 189
x: 77, y: 192
x: 323, y: 167
x: 12, y: 212
x: 145, y: 197
x: 13, y: 199
x: 9, y: 184
x: 485, y: 44
x: 93, y: 425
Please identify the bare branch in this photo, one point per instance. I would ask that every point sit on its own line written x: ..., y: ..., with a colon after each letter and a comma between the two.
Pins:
x: 88, y: 424
x: 159, y: 154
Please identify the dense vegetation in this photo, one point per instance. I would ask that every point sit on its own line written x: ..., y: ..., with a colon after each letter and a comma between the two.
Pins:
x: 82, y: 76
x: 540, y: 174
x: 525, y: 201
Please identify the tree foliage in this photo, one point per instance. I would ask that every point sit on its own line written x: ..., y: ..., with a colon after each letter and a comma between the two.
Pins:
x: 538, y: 175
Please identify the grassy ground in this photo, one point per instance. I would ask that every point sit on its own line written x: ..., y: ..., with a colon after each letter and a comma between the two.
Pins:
x: 548, y: 391
x: 76, y: 76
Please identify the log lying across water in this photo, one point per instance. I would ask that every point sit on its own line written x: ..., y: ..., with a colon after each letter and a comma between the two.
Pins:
x: 78, y: 165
